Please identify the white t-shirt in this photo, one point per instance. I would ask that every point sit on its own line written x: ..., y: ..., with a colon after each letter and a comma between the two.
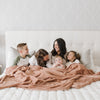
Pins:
x: 20, y: 61
x: 69, y: 63
x: 23, y: 62
x: 33, y: 61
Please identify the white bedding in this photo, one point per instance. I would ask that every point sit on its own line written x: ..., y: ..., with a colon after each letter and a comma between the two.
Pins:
x: 90, y: 92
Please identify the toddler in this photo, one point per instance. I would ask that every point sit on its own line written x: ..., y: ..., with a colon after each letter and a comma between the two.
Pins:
x: 58, y: 62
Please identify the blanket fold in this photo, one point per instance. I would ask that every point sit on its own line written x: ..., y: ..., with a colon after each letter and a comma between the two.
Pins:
x: 41, y: 78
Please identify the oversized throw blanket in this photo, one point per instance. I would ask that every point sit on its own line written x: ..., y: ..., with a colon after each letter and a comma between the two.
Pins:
x: 40, y: 78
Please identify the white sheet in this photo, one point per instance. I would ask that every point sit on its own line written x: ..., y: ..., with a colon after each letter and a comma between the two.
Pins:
x: 90, y: 92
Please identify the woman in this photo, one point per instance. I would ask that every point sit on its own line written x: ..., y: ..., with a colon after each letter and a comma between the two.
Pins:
x: 59, y: 48
x: 40, y: 58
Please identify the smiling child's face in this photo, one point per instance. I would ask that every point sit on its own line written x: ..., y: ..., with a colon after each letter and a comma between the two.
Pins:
x: 71, y: 56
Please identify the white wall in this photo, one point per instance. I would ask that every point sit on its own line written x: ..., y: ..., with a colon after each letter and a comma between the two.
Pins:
x: 2, y: 50
x: 47, y: 15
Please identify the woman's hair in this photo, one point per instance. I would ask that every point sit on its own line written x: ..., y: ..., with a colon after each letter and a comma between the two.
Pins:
x: 40, y: 56
x: 77, y: 55
x: 62, y: 47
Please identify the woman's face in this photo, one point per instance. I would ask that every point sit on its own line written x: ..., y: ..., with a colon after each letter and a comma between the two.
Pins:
x: 56, y: 46
x: 46, y: 58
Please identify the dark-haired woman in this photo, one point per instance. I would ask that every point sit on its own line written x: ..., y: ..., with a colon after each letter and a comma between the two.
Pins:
x: 40, y: 58
x: 59, y: 48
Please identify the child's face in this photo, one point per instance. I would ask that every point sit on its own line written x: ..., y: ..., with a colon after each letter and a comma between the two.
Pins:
x: 24, y: 51
x: 71, y: 56
x: 59, y: 60
x: 46, y: 58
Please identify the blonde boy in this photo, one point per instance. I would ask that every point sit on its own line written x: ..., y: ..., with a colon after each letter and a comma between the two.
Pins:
x: 23, y: 59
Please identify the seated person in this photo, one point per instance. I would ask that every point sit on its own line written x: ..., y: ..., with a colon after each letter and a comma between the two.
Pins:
x: 58, y: 62
x: 40, y: 58
x: 72, y: 57
x: 23, y: 59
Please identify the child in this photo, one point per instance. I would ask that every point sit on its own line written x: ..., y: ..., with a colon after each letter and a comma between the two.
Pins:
x: 72, y: 57
x: 40, y: 58
x: 23, y: 59
x: 58, y: 62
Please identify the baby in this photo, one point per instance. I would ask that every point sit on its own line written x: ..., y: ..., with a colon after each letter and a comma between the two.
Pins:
x: 58, y: 63
x: 23, y: 59
x: 72, y: 57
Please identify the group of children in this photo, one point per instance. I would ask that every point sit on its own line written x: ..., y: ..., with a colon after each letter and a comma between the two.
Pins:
x: 42, y: 56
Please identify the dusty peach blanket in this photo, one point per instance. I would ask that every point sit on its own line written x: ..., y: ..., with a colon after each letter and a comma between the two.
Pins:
x: 40, y: 78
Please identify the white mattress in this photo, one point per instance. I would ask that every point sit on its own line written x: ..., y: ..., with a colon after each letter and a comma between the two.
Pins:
x: 89, y: 92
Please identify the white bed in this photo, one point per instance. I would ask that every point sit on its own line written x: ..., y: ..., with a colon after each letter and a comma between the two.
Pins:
x: 81, y: 41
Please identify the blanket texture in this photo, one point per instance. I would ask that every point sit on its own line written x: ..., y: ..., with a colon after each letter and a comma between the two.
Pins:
x: 41, y: 78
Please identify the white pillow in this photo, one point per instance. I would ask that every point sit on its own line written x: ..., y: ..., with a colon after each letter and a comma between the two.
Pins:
x: 13, y: 54
x: 87, y: 58
x: 92, y: 60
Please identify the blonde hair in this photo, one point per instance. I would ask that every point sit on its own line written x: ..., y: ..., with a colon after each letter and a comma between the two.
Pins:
x: 21, y: 45
x: 58, y: 56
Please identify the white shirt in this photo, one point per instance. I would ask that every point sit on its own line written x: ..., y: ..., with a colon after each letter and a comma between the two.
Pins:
x: 23, y: 61
x: 33, y: 61
x: 69, y: 63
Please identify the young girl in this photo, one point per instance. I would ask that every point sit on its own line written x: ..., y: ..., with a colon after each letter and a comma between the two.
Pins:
x: 40, y: 58
x: 58, y: 62
x: 72, y: 57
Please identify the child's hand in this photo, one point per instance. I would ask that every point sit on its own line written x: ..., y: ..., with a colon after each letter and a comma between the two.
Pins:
x: 62, y: 65
x: 56, y: 64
